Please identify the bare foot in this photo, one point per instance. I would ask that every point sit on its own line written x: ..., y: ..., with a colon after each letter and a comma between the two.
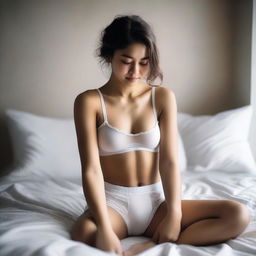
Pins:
x: 140, y: 247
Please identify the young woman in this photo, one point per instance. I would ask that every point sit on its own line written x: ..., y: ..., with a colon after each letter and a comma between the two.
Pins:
x: 127, y: 137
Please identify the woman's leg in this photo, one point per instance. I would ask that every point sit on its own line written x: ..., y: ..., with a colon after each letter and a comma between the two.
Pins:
x: 203, y: 222
x: 84, y: 229
x: 213, y: 221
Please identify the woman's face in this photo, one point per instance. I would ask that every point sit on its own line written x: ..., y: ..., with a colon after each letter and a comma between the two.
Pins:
x: 131, y: 64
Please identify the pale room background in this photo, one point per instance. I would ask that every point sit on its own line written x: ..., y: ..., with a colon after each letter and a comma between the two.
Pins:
x: 47, y: 54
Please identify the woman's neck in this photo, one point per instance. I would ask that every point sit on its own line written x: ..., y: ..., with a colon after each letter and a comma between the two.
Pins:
x: 125, y: 90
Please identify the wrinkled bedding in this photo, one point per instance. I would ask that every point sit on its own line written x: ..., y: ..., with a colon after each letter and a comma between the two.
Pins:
x: 37, y: 213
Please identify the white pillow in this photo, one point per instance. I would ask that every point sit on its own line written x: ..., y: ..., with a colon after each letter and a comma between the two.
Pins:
x: 182, y: 154
x: 48, y: 146
x: 218, y: 141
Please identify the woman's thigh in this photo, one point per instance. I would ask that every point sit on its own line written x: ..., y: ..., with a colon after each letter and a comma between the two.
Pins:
x: 86, y: 225
x: 192, y: 211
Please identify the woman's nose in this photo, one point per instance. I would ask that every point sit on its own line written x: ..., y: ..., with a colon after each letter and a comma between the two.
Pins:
x: 134, y: 69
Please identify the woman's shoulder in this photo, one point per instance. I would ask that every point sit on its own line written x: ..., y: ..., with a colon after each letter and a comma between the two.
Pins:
x: 163, y: 90
x: 87, y: 100
x: 87, y: 95
x: 163, y: 94
x: 164, y: 98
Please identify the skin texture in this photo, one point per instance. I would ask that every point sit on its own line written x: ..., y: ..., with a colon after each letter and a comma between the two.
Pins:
x: 128, y: 104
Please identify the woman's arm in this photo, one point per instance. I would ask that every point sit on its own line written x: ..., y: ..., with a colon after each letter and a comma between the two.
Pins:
x: 93, y: 183
x: 168, y: 161
x: 169, y: 164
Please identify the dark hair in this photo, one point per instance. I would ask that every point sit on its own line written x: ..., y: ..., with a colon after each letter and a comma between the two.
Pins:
x: 125, y: 30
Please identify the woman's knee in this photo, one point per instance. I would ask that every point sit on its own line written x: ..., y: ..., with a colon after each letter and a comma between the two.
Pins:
x: 237, y: 216
x: 84, y: 230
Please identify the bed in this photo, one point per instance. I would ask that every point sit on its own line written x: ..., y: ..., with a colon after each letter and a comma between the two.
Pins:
x: 41, y: 193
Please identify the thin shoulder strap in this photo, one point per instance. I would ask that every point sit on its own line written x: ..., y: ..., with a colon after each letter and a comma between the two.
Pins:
x: 103, y: 106
x: 153, y: 102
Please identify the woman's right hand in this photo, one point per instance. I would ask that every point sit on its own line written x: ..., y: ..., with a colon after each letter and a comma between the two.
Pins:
x: 107, y: 240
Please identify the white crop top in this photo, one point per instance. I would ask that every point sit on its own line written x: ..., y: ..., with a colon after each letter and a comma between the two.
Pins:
x: 113, y: 141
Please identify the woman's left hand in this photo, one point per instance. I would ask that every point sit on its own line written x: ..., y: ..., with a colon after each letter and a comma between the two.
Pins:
x: 168, y: 229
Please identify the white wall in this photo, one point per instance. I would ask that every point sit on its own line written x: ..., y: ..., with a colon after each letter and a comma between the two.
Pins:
x: 47, y: 53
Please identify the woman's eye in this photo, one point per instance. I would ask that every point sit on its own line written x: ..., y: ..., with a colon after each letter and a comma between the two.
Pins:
x: 142, y: 64
x: 126, y: 62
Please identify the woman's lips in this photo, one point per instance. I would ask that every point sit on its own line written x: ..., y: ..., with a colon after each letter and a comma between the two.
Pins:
x: 132, y: 78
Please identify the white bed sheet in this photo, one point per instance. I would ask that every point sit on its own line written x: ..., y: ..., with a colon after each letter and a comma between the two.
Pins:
x: 36, y: 215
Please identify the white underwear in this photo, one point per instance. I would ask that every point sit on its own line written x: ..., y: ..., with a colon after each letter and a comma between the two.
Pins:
x: 136, y: 205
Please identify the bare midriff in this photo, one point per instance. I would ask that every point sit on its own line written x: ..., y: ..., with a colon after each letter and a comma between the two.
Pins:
x: 134, y: 168
x: 130, y: 169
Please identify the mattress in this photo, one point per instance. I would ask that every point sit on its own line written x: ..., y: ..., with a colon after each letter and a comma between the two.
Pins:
x: 36, y: 215
x: 41, y: 195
